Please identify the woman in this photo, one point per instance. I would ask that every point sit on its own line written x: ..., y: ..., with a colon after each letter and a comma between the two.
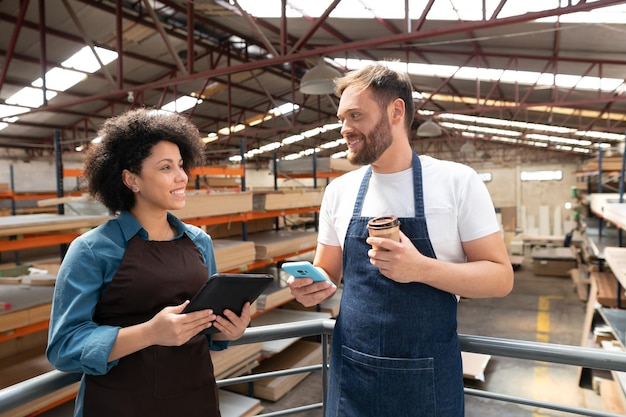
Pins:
x: 121, y: 289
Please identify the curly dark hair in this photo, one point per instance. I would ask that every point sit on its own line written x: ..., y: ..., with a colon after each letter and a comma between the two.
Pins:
x: 127, y: 140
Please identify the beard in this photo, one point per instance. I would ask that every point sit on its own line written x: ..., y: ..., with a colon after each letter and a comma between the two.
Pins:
x: 375, y: 143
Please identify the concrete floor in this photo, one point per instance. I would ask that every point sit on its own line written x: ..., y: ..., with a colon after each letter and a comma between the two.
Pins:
x: 512, y: 317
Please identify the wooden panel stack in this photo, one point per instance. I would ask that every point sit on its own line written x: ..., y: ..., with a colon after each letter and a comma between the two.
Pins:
x: 202, y: 203
x: 273, y: 243
x: 286, y: 199
x: 232, y: 254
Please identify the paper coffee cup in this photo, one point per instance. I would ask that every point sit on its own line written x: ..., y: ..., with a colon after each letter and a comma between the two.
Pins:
x: 385, y: 226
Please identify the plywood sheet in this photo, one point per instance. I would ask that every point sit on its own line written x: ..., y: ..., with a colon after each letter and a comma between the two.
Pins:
x: 282, y: 316
x: 598, y: 201
x: 29, y: 305
x: 233, y: 254
x: 288, y: 199
x: 301, y: 353
x: 616, y: 214
x: 474, y: 365
x: 282, y: 242
x: 616, y: 259
x: 202, y: 203
x: 237, y: 405
x: 277, y: 294
x: 234, y: 358
x: 305, y: 165
x: 42, y: 223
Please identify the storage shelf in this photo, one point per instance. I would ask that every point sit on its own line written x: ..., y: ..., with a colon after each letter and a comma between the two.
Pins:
x: 37, y: 241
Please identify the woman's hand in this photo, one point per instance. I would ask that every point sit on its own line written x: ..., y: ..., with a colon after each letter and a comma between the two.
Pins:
x: 230, y: 325
x: 172, y: 327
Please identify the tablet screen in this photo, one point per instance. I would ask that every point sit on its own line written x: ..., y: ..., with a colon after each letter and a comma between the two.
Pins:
x: 228, y: 292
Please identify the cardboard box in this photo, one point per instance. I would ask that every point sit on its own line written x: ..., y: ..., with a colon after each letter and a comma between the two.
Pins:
x: 556, y: 261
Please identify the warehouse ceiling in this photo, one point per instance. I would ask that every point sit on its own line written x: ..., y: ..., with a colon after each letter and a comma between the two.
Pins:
x: 242, y: 68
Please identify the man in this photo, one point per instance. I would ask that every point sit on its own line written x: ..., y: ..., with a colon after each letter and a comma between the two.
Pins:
x: 395, y: 349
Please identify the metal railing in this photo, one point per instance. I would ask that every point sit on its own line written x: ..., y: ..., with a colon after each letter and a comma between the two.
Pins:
x: 32, y: 389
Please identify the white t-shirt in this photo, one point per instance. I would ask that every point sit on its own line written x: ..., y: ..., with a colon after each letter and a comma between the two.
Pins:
x: 458, y: 206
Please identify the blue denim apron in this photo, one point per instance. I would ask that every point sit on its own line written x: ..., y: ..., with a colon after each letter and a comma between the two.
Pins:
x: 395, y: 349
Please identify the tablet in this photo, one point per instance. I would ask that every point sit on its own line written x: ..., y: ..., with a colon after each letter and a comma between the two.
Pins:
x: 228, y: 292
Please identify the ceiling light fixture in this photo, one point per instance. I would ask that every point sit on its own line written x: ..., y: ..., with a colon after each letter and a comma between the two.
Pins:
x: 429, y: 129
x: 319, y: 79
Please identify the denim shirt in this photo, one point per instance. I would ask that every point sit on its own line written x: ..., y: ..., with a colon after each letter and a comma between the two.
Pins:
x: 75, y: 342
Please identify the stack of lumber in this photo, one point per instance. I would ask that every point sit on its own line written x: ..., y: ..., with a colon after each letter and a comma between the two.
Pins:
x: 273, y: 243
x: 286, y: 199
x: 277, y: 294
x: 613, y: 163
x: 42, y: 273
x: 305, y: 165
x: 235, y: 360
x: 203, y: 203
x: 599, y: 201
x: 556, y: 261
x: 282, y: 316
x: 616, y: 214
x: 607, y: 289
x: 474, y: 365
x: 235, y: 229
x: 301, y: 353
x: 27, y: 307
x: 233, y: 254
x: 42, y: 223
x: 237, y: 405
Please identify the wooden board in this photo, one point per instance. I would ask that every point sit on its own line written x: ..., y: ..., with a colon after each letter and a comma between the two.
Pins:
x: 305, y: 165
x: 277, y: 294
x: 237, y: 405
x: 232, y: 254
x: 607, y: 289
x: 301, y: 353
x: 616, y: 214
x: 557, y: 261
x: 598, y: 201
x: 228, y: 361
x: 580, y: 284
x: 281, y: 316
x: 205, y: 204
x: 280, y: 200
x: 616, y: 260
x: 282, y: 242
x: 474, y: 365
x: 42, y: 223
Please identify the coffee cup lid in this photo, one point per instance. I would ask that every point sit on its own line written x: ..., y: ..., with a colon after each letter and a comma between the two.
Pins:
x: 383, y: 222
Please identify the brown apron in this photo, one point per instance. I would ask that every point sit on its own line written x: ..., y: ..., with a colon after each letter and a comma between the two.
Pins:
x: 159, y: 380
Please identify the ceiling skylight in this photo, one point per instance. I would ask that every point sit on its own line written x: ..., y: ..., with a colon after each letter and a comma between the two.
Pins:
x: 466, y: 10
x: 61, y: 79
x: 85, y: 61
x: 181, y: 104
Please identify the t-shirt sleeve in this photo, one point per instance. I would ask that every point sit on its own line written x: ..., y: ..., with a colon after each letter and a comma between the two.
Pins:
x: 327, y: 234
x: 477, y: 215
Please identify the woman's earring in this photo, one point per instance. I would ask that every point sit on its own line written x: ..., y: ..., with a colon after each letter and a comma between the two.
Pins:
x: 135, y: 190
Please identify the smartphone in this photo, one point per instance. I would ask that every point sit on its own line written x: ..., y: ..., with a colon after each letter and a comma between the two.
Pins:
x: 304, y: 269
